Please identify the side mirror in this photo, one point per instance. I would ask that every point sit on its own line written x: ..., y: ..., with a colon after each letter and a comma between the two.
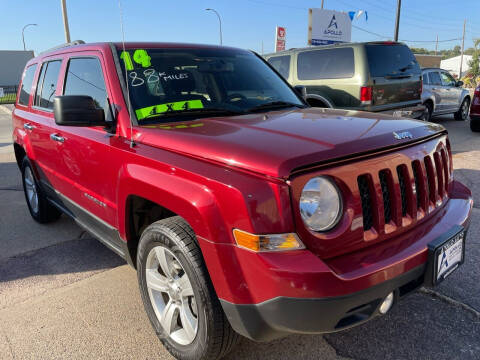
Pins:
x: 77, y: 110
x: 301, y: 90
x: 459, y: 83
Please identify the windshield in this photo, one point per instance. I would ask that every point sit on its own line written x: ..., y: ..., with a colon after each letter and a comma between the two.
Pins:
x: 165, y: 84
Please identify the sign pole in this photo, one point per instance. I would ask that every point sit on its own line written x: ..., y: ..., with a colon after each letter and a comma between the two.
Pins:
x: 397, y: 21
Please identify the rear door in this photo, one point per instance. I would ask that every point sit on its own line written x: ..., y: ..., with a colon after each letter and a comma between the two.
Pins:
x: 395, y: 76
x: 40, y: 124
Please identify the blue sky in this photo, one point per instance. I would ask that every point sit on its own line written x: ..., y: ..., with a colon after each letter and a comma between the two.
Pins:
x: 246, y: 23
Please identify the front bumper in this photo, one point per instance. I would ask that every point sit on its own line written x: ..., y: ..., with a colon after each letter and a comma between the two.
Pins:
x: 282, y: 316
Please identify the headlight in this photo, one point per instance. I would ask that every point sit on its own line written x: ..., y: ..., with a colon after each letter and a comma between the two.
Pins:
x: 320, y: 204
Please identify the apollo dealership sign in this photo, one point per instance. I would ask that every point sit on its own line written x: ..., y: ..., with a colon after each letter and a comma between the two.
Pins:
x: 328, y: 27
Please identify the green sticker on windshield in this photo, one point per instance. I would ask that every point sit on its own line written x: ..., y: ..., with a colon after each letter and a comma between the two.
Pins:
x: 145, y: 112
x: 140, y: 56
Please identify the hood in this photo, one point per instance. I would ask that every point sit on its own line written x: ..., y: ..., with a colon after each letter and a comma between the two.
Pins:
x: 277, y: 142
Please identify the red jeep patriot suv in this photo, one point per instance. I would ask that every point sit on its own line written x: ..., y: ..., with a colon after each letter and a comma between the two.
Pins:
x: 243, y: 210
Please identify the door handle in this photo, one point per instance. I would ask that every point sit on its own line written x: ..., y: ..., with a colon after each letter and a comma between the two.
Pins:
x: 56, y: 137
x: 28, y: 126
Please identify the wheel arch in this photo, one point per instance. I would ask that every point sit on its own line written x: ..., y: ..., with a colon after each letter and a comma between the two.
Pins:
x: 141, y: 203
x: 315, y: 98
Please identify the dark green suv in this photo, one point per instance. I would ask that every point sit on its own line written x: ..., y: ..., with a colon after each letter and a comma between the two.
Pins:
x: 371, y: 76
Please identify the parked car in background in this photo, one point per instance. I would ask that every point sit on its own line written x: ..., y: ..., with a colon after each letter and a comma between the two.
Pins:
x: 442, y: 94
x: 475, y: 111
x: 371, y: 76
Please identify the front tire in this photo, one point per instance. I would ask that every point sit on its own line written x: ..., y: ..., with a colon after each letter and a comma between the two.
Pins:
x: 38, y: 205
x: 177, y: 293
x: 462, y: 113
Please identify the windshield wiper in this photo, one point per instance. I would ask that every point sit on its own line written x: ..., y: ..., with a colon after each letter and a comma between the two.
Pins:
x: 274, y: 105
x: 190, y: 112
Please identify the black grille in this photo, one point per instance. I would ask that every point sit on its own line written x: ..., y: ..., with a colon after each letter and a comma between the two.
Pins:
x: 387, y: 209
x: 366, y: 198
x: 430, y: 175
x: 418, y: 187
x: 403, y: 188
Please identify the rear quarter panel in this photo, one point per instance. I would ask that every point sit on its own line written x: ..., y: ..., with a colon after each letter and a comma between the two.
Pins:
x: 342, y: 93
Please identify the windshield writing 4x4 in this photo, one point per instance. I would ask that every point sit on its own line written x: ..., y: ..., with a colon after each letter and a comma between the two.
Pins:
x: 167, y: 83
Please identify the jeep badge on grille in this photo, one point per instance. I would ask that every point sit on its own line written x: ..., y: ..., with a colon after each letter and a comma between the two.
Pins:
x: 402, y: 135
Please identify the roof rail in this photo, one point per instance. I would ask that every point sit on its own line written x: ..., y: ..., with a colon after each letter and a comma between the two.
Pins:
x: 73, y: 43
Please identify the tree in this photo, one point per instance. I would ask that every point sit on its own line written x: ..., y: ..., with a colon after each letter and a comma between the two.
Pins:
x: 474, y: 64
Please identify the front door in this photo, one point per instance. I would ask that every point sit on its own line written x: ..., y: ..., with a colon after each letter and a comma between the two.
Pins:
x: 89, y: 183
x: 454, y: 92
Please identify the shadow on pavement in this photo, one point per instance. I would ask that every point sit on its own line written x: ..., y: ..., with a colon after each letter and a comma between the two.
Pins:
x: 10, y: 177
x: 75, y: 256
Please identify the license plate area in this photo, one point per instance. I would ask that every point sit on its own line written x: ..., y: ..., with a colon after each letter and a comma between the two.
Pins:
x: 445, y: 255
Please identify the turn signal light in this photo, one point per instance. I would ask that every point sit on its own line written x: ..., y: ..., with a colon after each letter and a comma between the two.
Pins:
x: 272, y: 242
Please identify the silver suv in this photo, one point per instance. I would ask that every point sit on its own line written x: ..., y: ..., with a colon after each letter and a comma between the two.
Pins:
x: 442, y: 94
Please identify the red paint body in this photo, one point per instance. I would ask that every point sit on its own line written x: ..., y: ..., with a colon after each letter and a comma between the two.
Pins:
x: 475, y: 107
x: 247, y: 172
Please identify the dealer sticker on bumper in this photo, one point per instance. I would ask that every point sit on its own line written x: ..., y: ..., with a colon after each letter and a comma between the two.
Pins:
x: 446, y: 254
x: 450, y: 256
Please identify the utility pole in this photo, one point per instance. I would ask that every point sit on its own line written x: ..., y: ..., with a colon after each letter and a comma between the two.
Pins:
x: 65, y: 21
x: 463, y: 45
x: 322, y: 3
x: 262, y: 47
x: 436, y: 46
x: 397, y: 21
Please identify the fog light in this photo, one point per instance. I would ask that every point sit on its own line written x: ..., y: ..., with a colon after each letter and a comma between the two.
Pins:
x: 386, y: 304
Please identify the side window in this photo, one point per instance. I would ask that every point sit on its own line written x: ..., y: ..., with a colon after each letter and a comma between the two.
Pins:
x: 435, y: 78
x: 425, y: 79
x: 281, y: 64
x: 326, y: 64
x: 85, y: 77
x: 447, y: 79
x: 47, y: 84
x: 27, y: 85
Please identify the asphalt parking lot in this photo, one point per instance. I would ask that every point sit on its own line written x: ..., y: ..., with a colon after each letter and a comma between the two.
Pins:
x: 63, y: 295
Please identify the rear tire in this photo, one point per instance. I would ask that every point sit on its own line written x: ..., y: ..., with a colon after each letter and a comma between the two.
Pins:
x: 38, y: 205
x: 462, y: 113
x: 475, y: 124
x: 197, y: 328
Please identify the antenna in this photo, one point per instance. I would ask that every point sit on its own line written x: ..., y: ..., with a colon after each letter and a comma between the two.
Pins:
x: 129, y: 103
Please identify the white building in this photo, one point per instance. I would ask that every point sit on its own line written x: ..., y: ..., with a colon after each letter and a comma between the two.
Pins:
x: 453, y: 64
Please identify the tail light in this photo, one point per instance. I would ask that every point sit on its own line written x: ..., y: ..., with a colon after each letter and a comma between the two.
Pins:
x: 477, y: 91
x: 366, y: 95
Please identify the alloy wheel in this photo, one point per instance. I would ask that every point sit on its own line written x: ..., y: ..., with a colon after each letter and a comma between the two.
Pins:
x: 31, y: 189
x: 171, y: 295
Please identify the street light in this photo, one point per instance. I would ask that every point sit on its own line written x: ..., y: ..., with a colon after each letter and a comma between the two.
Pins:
x: 219, y: 21
x: 23, y: 35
